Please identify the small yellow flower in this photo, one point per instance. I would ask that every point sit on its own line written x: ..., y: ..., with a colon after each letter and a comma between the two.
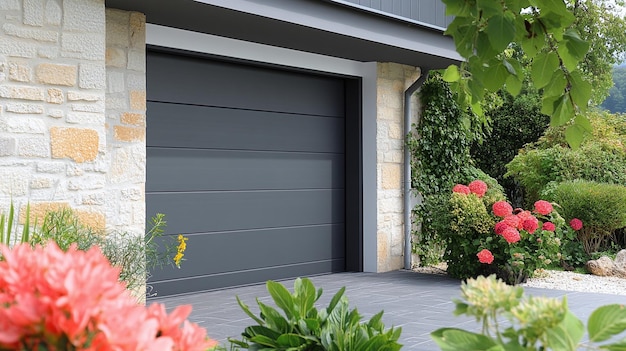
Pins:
x: 180, y: 249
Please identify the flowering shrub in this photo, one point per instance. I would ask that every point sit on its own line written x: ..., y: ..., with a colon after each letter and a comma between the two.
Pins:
x: 55, y: 300
x: 511, y: 243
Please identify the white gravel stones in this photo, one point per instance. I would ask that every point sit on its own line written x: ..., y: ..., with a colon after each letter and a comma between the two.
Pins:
x: 571, y: 281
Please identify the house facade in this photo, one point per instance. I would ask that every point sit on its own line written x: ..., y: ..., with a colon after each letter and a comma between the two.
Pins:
x: 269, y: 132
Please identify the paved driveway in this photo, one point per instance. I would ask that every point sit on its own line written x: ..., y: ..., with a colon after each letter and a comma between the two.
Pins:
x: 419, y: 303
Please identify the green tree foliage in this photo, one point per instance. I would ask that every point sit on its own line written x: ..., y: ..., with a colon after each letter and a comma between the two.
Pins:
x: 515, y: 123
x: 616, y: 101
x: 601, y: 158
x: 482, y: 32
x: 602, y: 25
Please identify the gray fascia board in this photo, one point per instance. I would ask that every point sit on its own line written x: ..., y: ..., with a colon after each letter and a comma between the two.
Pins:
x: 357, y: 24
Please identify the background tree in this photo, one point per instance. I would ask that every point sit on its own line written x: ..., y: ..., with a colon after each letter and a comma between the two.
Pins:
x: 616, y: 102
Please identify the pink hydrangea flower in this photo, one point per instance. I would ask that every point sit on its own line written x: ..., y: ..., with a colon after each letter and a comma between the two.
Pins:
x: 576, y: 224
x: 502, y: 209
x: 485, y: 256
x: 461, y: 189
x: 512, y: 221
x: 530, y: 224
x: 511, y: 235
x: 543, y: 207
x: 500, y: 227
x: 478, y: 187
x: 549, y: 226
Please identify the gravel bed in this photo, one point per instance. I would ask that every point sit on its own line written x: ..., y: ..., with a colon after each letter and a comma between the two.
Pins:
x: 559, y: 280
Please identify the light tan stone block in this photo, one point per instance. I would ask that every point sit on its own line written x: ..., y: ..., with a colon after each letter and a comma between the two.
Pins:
x: 137, y: 30
x: 136, y: 119
x: 138, y: 100
x: 55, y: 74
x: 55, y: 96
x: 391, y: 176
x: 41, y: 183
x: 22, y: 93
x: 78, y: 144
x: 19, y: 72
x: 38, y: 211
x: 123, y: 133
x: 115, y: 57
x: 25, y: 108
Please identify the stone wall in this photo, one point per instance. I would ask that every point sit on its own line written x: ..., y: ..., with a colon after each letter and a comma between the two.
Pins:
x: 58, y: 145
x: 393, y: 79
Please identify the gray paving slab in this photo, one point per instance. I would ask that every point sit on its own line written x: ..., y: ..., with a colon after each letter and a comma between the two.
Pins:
x: 419, y: 303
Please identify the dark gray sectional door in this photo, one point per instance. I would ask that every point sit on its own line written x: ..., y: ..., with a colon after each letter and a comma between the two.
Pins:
x: 248, y: 163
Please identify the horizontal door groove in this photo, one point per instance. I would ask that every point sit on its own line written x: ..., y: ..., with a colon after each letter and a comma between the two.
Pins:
x: 261, y: 229
x: 268, y: 151
x: 244, y: 109
x: 174, y: 192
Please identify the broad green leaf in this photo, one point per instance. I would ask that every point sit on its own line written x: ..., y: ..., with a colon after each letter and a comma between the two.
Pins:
x: 273, y: 319
x: 574, y: 135
x: 554, y: 19
x: 306, y: 296
x: 247, y: 311
x: 572, y: 49
x: 501, y: 30
x: 261, y: 331
x: 606, y: 321
x: 583, y: 122
x: 616, y: 346
x: 557, y: 84
x: 290, y: 340
x: 496, y: 75
x: 463, y: 35
x: 563, y: 111
x: 566, y: 335
x: 457, y: 8
x: 513, y: 85
x: 547, y: 107
x: 484, y: 50
x: 335, y: 300
x: 489, y: 7
x: 282, y: 297
x: 542, y: 68
x: 451, y: 74
x: 534, y: 40
x: 580, y: 92
x: 452, y: 339
x: 312, y: 324
x: 264, y: 340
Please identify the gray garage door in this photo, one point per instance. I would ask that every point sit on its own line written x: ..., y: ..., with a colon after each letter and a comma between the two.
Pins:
x: 248, y: 163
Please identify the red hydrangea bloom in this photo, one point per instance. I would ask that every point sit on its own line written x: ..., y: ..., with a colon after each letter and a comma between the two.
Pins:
x: 502, y: 209
x: 523, y: 215
x: 461, y: 189
x: 511, y: 235
x: 485, y: 256
x: 500, y: 227
x: 478, y: 187
x: 530, y: 224
x: 549, y: 226
x: 576, y: 224
x: 512, y: 221
x: 543, y: 207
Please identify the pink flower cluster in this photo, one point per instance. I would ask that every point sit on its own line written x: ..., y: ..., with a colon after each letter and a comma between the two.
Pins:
x: 477, y: 187
x: 50, y: 299
x: 485, y: 256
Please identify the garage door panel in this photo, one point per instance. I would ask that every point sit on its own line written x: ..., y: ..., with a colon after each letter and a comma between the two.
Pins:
x: 210, y: 170
x: 209, y: 254
x: 217, y: 281
x: 195, y: 81
x: 221, y: 211
x: 210, y: 127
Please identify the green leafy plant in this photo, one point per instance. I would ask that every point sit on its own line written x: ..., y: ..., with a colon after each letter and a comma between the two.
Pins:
x: 512, y: 321
x: 136, y: 255
x: 600, y: 206
x: 8, y: 226
x: 301, y: 326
